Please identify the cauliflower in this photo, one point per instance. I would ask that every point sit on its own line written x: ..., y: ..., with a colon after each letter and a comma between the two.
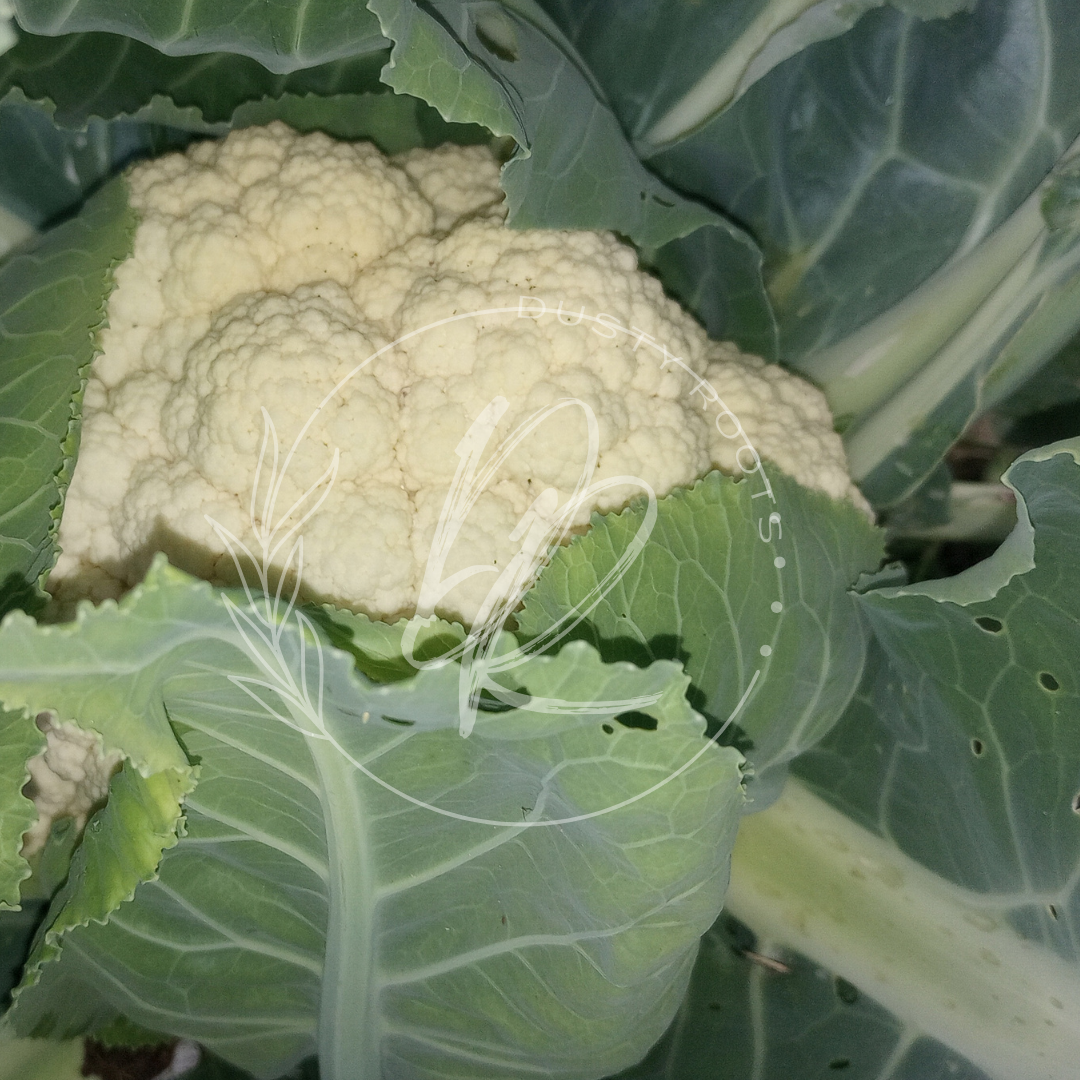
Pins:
x: 69, y: 778
x: 378, y: 306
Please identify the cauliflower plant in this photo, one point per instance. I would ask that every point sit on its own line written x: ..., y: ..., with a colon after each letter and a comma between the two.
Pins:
x: 268, y: 267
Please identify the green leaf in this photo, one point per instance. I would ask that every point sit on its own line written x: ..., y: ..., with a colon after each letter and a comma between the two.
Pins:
x: 106, y: 76
x: 721, y: 50
x: 16, y: 932
x: 47, y: 172
x: 703, y: 591
x: 862, y: 164
x: 58, y: 93
x: 121, y: 848
x: 308, y: 906
x: 20, y: 740
x: 794, y: 1019
x: 928, y: 858
x: 35, y: 1059
x: 281, y: 36
x: 917, y: 271
x: 510, y: 69
x: 52, y: 301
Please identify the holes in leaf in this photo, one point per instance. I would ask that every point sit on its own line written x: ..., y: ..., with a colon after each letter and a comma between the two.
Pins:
x: 1076, y: 803
x: 662, y: 202
x: 991, y: 626
x: 977, y: 747
x: 1048, y: 682
x: 637, y: 720
x: 847, y: 993
x: 840, y: 1063
x: 608, y: 729
x: 1053, y: 910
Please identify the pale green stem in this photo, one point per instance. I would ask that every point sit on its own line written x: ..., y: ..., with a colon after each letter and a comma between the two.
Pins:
x: 349, y: 1035
x: 864, y: 369
x: 978, y: 513
x: 941, y: 958
x: 1012, y: 311
x: 730, y: 74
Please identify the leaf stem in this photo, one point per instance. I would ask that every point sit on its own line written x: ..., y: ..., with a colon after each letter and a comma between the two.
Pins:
x: 942, y: 958
x: 349, y: 1038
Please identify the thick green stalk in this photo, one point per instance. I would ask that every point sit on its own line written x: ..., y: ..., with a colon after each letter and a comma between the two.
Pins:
x: 864, y: 370
x: 728, y: 76
x: 349, y: 1036
x: 941, y: 958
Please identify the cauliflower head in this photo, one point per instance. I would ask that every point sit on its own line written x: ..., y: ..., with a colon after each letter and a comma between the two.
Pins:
x: 376, y: 307
x: 69, y: 778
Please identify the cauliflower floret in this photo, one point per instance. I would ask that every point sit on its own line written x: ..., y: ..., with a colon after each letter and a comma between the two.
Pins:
x: 69, y: 778
x: 375, y: 308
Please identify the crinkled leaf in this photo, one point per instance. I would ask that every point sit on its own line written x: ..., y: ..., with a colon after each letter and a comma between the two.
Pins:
x: 20, y: 740
x: 703, y: 591
x: 926, y: 898
x: 84, y: 78
x: 54, y: 150
x: 281, y: 36
x: 510, y: 69
x: 121, y: 848
x: 308, y: 907
x: 52, y: 301
x: 106, y: 75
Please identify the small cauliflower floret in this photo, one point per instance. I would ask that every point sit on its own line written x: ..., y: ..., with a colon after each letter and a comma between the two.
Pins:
x: 377, y: 307
x: 69, y: 778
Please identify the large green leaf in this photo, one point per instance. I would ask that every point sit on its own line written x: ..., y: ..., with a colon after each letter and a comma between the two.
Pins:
x: 52, y: 301
x: 376, y: 914
x: 281, y: 36
x: 768, y: 621
x: 928, y: 860
x: 509, y: 68
x: 671, y: 68
x: 863, y: 163
x: 890, y: 175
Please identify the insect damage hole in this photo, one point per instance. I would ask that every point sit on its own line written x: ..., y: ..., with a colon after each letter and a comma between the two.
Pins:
x: 1076, y: 803
x: 1048, y: 682
x: 991, y: 626
x: 977, y: 747
x: 637, y: 720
